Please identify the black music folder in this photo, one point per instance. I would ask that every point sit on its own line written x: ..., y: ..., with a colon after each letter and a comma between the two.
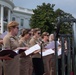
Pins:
x: 11, y: 53
x: 20, y: 51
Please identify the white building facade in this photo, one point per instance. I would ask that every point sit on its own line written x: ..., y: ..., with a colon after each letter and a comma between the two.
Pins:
x: 9, y: 12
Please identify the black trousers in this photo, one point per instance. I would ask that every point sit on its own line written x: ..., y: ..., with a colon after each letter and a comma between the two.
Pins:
x: 60, y: 66
x: 38, y: 66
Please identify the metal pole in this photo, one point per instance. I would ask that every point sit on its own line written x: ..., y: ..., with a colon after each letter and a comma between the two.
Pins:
x: 63, y: 61
x: 56, y: 56
x: 74, y: 37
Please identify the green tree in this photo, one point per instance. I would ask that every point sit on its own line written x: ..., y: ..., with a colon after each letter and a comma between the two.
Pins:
x: 65, y: 27
x: 43, y: 17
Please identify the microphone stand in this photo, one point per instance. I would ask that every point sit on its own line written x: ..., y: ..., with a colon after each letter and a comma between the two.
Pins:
x: 42, y: 57
x: 41, y: 49
x: 2, y: 68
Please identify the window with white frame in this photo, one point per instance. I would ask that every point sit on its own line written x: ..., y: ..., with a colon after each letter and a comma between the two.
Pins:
x: 22, y: 22
x: 13, y: 18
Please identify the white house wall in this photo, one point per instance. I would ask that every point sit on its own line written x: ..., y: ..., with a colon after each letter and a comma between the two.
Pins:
x: 0, y: 14
x: 19, y: 16
x: 7, y: 4
x: 13, y: 11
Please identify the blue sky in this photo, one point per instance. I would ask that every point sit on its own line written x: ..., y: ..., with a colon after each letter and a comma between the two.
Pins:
x: 68, y: 6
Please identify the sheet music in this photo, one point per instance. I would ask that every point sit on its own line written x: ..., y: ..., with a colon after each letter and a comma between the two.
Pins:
x: 16, y: 51
x: 32, y: 49
x: 59, y: 52
x: 47, y: 52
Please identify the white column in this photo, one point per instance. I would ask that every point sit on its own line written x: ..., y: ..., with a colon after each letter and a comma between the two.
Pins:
x: 9, y: 13
x: 2, y: 16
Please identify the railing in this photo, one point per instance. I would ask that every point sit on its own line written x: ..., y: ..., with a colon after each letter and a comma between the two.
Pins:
x: 70, y: 58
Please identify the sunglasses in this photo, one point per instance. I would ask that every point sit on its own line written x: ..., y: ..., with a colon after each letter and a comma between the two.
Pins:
x: 39, y: 33
x: 29, y: 34
x: 46, y: 35
x: 17, y: 27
